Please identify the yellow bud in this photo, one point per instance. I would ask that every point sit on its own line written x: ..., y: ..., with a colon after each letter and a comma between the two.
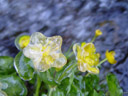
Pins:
x: 110, y: 57
x: 24, y: 41
x: 98, y: 33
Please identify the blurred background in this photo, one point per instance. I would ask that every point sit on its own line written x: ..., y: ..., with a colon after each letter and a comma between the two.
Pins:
x: 75, y: 21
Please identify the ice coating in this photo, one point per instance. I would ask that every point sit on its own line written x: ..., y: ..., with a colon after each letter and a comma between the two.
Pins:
x: 87, y: 58
x: 45, y: 52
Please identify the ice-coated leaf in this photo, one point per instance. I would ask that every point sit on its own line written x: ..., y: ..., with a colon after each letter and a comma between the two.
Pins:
x: 24, y: 66
x: 13, y: 85
x: 6, y: 65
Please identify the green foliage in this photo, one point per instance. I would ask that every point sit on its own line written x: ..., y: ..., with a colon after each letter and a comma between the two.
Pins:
x: 57, y: 92
x: 47, y: 78
x: 23, y: 66
x: 13, y: 85
x: 6, y: 65
x: 113, y: 86
x: 67, y: 81
x: 78, y: 85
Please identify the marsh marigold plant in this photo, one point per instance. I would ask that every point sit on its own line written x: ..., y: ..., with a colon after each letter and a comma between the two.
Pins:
x: 49, y: 72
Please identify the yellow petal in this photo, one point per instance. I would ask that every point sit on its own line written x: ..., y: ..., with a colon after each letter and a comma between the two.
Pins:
x: 110, y: 57
x: 82, y: 44
x: 89, y: 48
x: 93, y: 70
x: 89, y: 61
x: 82, y: 67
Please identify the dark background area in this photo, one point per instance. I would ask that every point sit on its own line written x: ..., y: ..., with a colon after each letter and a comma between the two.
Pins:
x: 75, y: 21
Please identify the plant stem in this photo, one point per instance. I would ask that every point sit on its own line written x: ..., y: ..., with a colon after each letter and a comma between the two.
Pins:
x: 102, y: 61
x: 50, y: 92
x: 51, y: 89
x: 93, y: 39
x: 87, y: 74
x: 38, y: 84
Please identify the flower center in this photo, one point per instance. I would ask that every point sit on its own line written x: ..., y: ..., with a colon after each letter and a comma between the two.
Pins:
x: 46, y: 57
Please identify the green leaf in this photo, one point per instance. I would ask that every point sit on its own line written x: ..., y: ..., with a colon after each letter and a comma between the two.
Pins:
x: 6, y: 65
x: 17, y: 41
x: 91, y: 83
x: 57, y: 92
x: 66, y: 83
x: 95, y: 93
x: 76, y: 91
x: 113, y: 86
x: 24, y: 66
x: 13, y: 85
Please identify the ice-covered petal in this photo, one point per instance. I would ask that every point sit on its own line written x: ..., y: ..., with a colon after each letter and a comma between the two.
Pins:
x: 41, y: 66
x: 89, y: 48
x: 82, y: 66
x: 93, y: 70
x: 38, y: 38
x: 60, y: 61
x: 54, y: 42
x: 33, y: 51
x: 77, y: 50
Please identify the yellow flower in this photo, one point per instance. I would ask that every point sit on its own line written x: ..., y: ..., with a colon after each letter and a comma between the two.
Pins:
x: 24, y: 41
x: 98, y: 33
x: 45, y: 52
x: 87, y: 58
x: 110, y: 57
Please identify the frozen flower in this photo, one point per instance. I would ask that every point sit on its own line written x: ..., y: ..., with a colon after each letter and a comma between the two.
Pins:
x: 45, y: 52
x: 87, y: 58
x: 110, y: 57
